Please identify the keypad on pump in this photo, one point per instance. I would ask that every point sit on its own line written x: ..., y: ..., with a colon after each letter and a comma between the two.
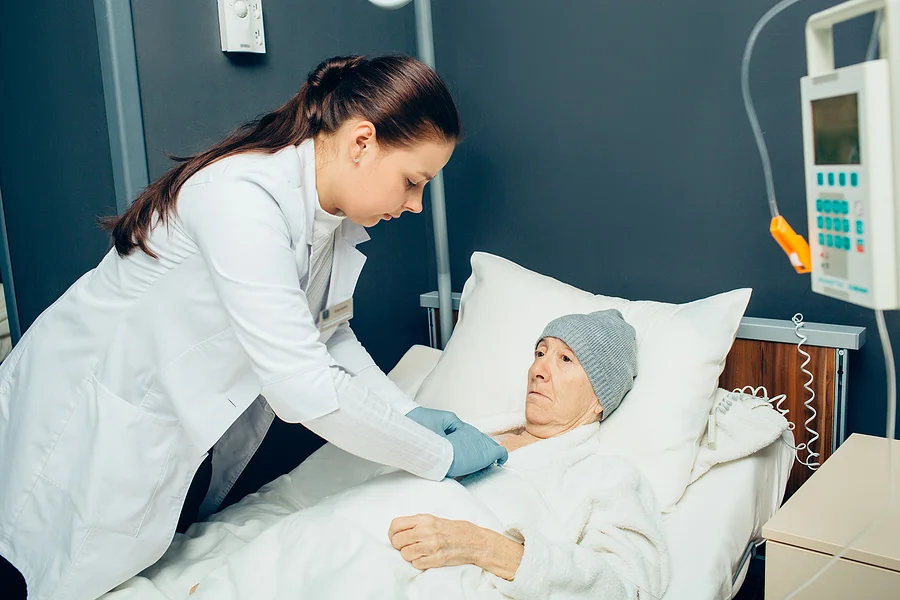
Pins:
x: 834, y: 225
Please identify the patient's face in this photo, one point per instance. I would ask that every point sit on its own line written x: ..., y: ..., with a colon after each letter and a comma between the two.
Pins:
x: 560, y: 397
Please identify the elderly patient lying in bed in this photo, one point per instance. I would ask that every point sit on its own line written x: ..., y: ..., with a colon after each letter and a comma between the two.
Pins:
x: 602, y: 539
x: 558, y: 520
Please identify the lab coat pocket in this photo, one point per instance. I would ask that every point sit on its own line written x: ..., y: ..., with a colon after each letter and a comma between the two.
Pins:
x: 110, y: 458
x: 209, y: 387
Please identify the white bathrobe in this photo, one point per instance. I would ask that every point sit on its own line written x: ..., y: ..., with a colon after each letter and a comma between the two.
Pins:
x: 600, y: 538
x: 589, y: 522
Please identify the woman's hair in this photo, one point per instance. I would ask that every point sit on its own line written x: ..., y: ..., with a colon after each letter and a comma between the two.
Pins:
x: 406, y: 101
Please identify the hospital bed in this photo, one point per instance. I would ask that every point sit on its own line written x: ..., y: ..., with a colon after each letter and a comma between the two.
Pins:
x: 712, y: 528
x: 717, y: 524
x: 710, y: 533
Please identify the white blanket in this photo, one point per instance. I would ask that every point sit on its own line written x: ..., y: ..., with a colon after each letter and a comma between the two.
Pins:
x: 589, y: 524
x: 741, y: 424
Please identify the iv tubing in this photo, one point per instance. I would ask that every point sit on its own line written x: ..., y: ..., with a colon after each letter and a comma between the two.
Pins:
x: 748, y: 100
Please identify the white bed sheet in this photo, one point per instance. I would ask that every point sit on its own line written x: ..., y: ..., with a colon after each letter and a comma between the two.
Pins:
x: 719, y: 514
x: 708, y: 532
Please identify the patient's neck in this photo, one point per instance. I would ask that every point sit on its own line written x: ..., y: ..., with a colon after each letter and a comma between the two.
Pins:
x: 515, y: 439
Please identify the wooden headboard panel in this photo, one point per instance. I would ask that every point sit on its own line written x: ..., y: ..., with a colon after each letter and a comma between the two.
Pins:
x: 777, y: 367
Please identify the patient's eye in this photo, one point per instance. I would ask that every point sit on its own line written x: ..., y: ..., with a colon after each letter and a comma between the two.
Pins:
x: 538, y: 353
x: 566, y: 358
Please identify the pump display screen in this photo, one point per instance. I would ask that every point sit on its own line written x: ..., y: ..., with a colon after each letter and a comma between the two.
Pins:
x: 836, y: 130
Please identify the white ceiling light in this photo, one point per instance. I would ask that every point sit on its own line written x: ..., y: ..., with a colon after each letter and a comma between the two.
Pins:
x: 390, y: 4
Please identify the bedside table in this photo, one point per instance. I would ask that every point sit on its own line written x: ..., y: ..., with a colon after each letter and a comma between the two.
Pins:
x: 847, y: 491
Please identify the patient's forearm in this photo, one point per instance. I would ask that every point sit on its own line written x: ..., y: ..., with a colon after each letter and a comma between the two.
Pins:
x: 501, y: 555
x: 430, y: 542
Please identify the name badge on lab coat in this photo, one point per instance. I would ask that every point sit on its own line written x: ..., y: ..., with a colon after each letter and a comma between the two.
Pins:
x: 333, y: 316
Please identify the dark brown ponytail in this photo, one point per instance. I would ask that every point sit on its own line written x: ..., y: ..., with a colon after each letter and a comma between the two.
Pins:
x: 405, y: 100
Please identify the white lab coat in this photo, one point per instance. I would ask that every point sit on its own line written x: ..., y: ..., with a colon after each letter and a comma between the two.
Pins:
x: 113, y: 397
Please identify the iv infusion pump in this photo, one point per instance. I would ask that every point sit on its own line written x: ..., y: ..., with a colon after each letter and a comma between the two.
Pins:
x: 851, y: 150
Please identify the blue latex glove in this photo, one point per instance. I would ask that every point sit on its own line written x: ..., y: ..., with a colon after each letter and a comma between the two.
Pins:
x: 473, y: 451
x: 441, y: 422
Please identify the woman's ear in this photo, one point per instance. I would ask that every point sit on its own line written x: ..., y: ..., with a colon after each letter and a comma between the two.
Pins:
x: 362, y: 140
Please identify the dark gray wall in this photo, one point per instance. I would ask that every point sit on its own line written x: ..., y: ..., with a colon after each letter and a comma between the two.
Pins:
x: 55, y: 169
x: 192, y: 94
x: 607, y: 146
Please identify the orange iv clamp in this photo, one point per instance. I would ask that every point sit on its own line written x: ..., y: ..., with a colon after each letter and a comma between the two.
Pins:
x: 793, y: 244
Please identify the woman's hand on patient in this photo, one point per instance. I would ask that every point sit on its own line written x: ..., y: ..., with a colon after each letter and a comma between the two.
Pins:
x: 472, y: 450
x: 429, y: 542
x: 440, y: 422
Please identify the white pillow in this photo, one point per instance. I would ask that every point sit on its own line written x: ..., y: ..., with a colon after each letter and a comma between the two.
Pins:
x: 681, y: 353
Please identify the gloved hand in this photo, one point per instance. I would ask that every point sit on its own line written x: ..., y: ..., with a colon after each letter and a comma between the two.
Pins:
x: 473, y: 451
x: 441, y: 422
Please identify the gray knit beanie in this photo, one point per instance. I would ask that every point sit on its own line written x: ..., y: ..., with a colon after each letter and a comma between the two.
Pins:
x: 606, y: 347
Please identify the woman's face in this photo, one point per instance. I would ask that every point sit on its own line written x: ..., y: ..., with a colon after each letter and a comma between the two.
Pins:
x: 375, y: 183
x: 560, y: 396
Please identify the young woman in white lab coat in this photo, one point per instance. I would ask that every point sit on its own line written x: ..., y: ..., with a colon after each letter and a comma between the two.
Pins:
x: 203, y: 324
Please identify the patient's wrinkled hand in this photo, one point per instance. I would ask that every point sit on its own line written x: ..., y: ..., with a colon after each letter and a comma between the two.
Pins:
x: 428, y: 542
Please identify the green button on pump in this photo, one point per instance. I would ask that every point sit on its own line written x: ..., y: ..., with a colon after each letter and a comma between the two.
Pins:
x: 827, y: 206
x: 859, y: 227
x: 821, y: 239
x: 831, y: 179
x: 820, y: 179
x: 842, y: 179
x: 829, y: 240
x: 854, y: 179
x: 828, y: 223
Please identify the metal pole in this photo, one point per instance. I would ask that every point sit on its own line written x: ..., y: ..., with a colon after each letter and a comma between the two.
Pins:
x: 118, y: 66
x: 425, y: 40
x: 9, y: 288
